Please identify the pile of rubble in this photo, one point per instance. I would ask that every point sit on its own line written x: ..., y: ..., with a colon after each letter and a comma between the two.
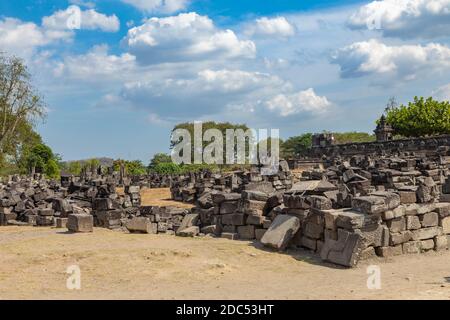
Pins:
x: 381, y: 207
x: 190, y: 188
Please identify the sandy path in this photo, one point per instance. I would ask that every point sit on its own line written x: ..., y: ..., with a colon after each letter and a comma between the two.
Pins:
x: 115, y: 265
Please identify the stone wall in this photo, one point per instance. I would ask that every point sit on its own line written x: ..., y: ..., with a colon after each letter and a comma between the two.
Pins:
x: 423, y: 146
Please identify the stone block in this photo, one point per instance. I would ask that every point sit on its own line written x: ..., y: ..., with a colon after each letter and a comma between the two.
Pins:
x: 259, y: 233
x: 308, y: 243
x: 256, y: 220
x: 396, y: 224
x: 142, y: 225
x: 412, y: 247
x: 400, y: 237
x: 281, y: 231
x: 236, y: 219
x: 440, y: 243
x: 345, y: 251
x: 228, y: 207
x: 391, y: 199
x: 426, y: 233
x: 407, y: 197
x: 387, y: 252
x: 46, y: 212
x: 189, y: 220
x: 229, y: 235
x: 61, y: 222
x: 80, y: 223
x: 44, y: 221
x: 191, y: 231
x: 246, y: 232
x: 445, y: 224
x: 369, y: 204
x: 430, y: 219
x: 413, y: 223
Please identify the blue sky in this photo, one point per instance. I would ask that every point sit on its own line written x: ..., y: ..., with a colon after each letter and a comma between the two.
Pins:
x: 130, y: 70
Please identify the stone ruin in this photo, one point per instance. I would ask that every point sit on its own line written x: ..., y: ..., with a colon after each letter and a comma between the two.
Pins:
x: 355, y: 208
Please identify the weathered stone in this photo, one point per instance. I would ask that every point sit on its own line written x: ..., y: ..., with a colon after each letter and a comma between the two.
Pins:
x: 330, y: 218
x: 191, y: 231
x: 367, y: 253
x: 430, y: 219
x: 236, y: 219
x: 189, y: 220
x: 45, y: 220
x: 209, y: 229
x: 102, y: 204
x: 228, y: 207
x: 397, y: 224
x: 222, y: 197
x: 413, y: 223
x: 427, y: 244
x: 259, y: 233
x: 256, y: 220
x: 391, y: 199
x: 426, y: 233
x: 440, y: 243
x: 369, y: 204
x: 80, y: 223
x: 320, y: 202
x: 281, y: 231
x: 407, y: 197
x: 387, y: 252
x: 400, y: 237
x: 61, y: 222
x: 443, y: 209
x: 308, y: 243
x: 351, y: 220
x: 141, y: 224
x: 412, y: 247
x: 246, y: 232
x: 229, y: 235
x: 445, y: 224
x: 394, y: 213
x: 345, y: 251
x: 46, y: 212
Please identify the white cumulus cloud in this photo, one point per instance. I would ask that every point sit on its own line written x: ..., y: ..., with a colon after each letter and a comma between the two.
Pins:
x: 185, y: 37
x: 162, y: 6
x: 73, y: 17
x: 274, y: 27
x: 404, y: 61
x: 405, y: 18
x: 302, y: 101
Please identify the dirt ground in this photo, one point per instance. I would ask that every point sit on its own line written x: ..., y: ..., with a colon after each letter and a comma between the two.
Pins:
x: 117, y: 265
x: 158, y: 197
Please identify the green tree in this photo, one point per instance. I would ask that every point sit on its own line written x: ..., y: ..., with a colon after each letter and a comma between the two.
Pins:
x: 41, y: 159
x: 221, y: 126
x: 159, y: 158
x: 294, y: 146
x: 422, y: 117
x: 167, y: 168
x: 19, y: 101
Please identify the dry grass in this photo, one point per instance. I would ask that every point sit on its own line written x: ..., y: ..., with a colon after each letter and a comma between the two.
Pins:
x: 158, y: 197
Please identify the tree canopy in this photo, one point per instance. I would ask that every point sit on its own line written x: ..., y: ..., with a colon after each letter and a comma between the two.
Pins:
x: 422, y: 117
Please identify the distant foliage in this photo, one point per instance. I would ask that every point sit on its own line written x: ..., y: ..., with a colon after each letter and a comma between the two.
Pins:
x: 42, y: 159
x: 167, y: 168
x: 294, y: 146
x: 350, y: 137
x: 134, y: 167
x: 420, y: 118
x: 159, y: 158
